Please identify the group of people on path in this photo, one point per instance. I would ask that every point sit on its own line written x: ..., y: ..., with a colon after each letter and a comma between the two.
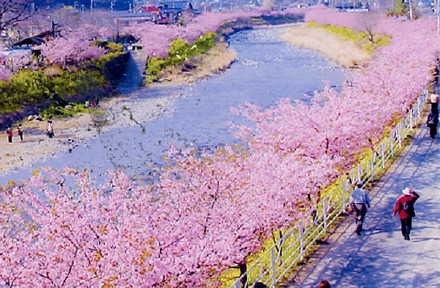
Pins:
x: 404, y: 207
x: 10, y: 133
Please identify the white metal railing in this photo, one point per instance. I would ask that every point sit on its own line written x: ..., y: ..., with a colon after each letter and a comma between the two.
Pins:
x: 277, y: 262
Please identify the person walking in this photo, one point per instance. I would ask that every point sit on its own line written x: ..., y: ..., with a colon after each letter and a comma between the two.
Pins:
x: 359, y: 201
x: 434, y: 103
x: 405, y: 208
x: 432, y: 123
x: 20, y: 132
x: 9, y: 134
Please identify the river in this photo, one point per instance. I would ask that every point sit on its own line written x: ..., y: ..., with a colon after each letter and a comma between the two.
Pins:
x: 267, y: 69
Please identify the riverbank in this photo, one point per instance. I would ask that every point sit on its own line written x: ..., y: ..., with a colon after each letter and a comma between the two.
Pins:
x: 217, y: 60
x: 341, y: 51
x: 120, y: 112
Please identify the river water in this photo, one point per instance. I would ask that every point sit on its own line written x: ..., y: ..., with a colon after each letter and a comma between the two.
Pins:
x: 266, y: 70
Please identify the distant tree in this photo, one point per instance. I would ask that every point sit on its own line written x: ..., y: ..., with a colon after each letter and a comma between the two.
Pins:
x: 12, y: 12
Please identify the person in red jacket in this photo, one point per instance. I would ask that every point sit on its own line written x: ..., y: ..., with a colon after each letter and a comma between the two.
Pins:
x: 405, y: 207
x: 9, y: 134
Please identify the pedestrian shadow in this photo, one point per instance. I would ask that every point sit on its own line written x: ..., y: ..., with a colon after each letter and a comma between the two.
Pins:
x: 417, y: 239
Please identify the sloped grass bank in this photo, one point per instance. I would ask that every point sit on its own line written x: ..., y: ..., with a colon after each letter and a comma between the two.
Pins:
x: 366, y: 39
x: 181, y: 57
x: 29, y: 92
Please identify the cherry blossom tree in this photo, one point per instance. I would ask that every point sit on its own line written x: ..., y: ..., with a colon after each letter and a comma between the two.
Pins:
x: 157, y: 38
x: 207, y: 210
x: 72, y: 47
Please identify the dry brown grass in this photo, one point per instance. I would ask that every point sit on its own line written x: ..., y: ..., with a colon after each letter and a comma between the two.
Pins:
x: 345, y: 53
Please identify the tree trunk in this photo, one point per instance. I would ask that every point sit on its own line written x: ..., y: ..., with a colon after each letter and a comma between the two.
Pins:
x: 243, y: 275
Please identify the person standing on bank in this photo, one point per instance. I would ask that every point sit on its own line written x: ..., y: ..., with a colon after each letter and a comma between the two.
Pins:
x: 20, y: 132
x: 432, y: 123
x: 359, y: 201
x: 9, y: 134
x: 405, y: 207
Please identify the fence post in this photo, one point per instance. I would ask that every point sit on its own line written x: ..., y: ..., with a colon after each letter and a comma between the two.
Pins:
x: 382, y: 153
x: 344, y: 192
x: 301, y: 240
x: 273, y: 263
x: 372, y: 162
x: 360, y: 173
x: 405, y: 128
x: 399, y: 134
x: 324, y: 207
x: 393, y: 140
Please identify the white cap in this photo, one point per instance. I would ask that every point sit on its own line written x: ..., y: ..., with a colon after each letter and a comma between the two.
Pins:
x: 407, y: 191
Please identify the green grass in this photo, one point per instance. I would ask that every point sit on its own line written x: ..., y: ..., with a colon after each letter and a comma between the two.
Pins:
x: 178, y: 53
x: 61, y: 112
x: 363, y: 39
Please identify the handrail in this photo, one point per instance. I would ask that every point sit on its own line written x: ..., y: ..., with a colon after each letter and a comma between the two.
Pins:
x: 297, y: 241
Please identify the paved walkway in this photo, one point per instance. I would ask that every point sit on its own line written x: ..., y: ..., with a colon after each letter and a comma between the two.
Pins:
x: 381, y: 257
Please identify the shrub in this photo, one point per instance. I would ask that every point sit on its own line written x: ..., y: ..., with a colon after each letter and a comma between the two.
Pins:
x: 178, y: 53
x: 29, y: 87
x: 62, y: 112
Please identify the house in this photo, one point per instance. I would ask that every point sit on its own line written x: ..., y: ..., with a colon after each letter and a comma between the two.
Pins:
x: 171, y: 11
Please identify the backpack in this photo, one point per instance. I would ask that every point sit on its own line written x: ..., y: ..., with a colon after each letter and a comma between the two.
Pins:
x: 407, y: 206
x: 431, y: 119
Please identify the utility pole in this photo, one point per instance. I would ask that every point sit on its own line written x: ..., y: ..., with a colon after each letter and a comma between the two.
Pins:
x: 437, y: 12
x: 54, y: 29
x: 410, y: 10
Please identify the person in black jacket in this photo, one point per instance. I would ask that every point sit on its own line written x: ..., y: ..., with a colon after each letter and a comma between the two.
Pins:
x: 432, y: 123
